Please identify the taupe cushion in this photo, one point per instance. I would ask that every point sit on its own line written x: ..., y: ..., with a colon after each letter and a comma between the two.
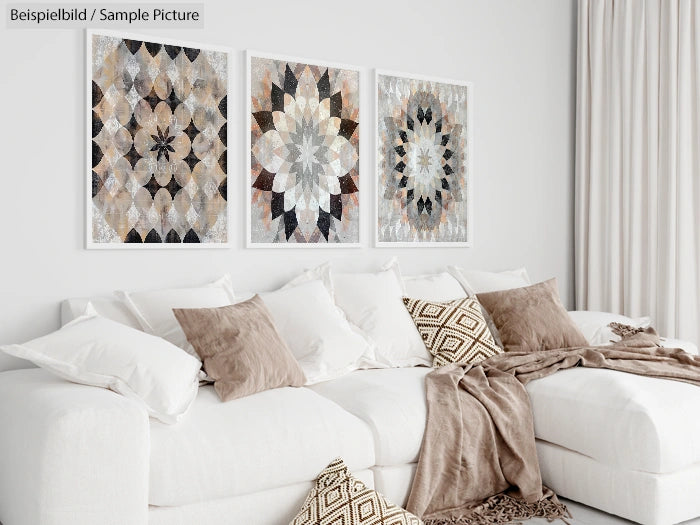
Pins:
x: 240, y: 348
x: 453, y: 331
x: 532, y: 318
x: 339, y: 498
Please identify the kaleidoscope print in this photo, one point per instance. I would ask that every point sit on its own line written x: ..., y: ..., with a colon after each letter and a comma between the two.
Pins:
x: 423, y: 161
x: 158, y: 143
x: 304, y: 158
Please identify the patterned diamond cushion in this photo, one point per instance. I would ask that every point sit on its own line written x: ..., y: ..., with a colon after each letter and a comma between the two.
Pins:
x: 340, y: 499
x: 453, y: 331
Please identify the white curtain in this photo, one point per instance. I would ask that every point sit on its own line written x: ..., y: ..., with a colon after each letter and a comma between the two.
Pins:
x: 638, y: 161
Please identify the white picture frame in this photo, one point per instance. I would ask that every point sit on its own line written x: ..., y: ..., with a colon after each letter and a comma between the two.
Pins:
x: 364, y: 186
x: 90, y: 244
x: 469, y: 125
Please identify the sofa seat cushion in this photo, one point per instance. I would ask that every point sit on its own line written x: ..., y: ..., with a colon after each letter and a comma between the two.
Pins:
x: 619, y: 419
x: 391, y: 402
x: 263, y: 441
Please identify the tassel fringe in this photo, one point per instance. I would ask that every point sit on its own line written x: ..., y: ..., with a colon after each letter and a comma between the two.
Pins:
x: 502, y: 508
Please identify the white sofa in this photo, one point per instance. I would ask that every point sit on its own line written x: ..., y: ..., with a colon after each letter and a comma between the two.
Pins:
x: 78, y: 455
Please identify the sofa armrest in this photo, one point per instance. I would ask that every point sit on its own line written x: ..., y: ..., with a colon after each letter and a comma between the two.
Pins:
x: 70, y: 454
x: 688, y: 346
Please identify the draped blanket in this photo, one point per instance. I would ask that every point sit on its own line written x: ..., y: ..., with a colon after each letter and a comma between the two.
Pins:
x: 478, y: 463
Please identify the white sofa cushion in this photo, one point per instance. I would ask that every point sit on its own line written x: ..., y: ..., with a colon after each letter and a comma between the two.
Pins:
x: 266, y: 507
x: 373, y: 302
x: 71, y: 454
x: 391, y: 402
x: 316, y: 331
x: 153, y: 309
x: 267, y: 440
x: 433, y: 287
x: 475, y: 282
x: 100, y: 352
x: 619, y: 419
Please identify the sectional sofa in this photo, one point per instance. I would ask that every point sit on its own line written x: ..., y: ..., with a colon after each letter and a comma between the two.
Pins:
x: 72, y: 454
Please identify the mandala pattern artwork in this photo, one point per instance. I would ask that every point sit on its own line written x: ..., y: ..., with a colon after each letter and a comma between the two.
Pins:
x: 304, y: 153
x: 453, y: 331
x: 422, y: 161
x: 340, y: 499
x: 158, y: 143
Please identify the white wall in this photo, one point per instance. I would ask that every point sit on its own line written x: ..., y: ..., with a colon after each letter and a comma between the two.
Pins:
x: 520, y: 55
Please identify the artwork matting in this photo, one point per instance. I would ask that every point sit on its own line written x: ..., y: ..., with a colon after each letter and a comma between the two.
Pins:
x: 469, y: 162
x: 363, y: 187
x: 90, y: 243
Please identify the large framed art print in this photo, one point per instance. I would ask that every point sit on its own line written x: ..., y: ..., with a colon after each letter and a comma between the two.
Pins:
x: 303, y: 128
x: 424, y: 147
x: 157, y: 153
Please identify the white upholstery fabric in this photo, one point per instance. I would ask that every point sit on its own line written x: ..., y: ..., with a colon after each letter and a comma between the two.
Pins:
x: 268, y: 507
x: 109, y: 307
x: 153, y: 309
x: 267, y: 440
x: 395, y: 482
x: 71, y: 454
x: 649, y: 499
x: 623, y: 420
x: 391, y: 402
x: 10, y: 362
x: 316, y: 331
x: 474, y: 281
x: 372, y: 302
x: 433, y: 287
x: 100, y: 352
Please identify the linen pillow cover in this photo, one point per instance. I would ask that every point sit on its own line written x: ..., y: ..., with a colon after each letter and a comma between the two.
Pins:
x: 95, y: 351
x: 154, y: 309
x: 316, y: 331
x: 595, y: 326
x: 240, y: 348
x: 532, y: 318
x: 453, y: 331
x: 338, y: 495
x: 475, y: 282
x: 373, y: 303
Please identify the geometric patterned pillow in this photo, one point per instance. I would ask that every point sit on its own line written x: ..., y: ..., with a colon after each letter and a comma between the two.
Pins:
x: 453, y: 331
x: 340, y: 499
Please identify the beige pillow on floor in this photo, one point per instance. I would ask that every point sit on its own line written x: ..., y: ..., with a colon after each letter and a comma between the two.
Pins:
x: 240, y: 348
x: 340, y: 498
x: 453, y: 331
x: 532, y: 318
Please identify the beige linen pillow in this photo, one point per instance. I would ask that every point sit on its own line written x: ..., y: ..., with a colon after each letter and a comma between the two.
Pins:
x: 453, y: 331
x: 532, y: 318
x: 339, y: 498
x: 240, y: 348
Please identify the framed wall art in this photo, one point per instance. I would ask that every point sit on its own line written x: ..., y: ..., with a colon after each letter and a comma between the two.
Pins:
x: 424, y: 146
x: 157, y: 152
x: 303, y: 127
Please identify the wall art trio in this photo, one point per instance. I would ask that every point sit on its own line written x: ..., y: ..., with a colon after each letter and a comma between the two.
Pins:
x: 157, y: 156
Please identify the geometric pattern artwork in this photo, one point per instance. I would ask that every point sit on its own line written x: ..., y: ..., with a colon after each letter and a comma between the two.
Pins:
x: 453, y: 331
x: 304, y: 154
x: 424, y: 161
x: 158, y: 143
x: 340, y: 499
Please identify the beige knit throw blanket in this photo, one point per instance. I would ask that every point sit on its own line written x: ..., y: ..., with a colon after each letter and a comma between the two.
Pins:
x: 478, y: 463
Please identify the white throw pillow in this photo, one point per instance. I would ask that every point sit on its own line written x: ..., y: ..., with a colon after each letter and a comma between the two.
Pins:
x: 95, y: 351
x: 594, y: 325
x: 321, y: 272
x: 316, y: 331
x: 433, y: 287
x: 475, y: 282
x: 154, y: 309
x: 373, y: 302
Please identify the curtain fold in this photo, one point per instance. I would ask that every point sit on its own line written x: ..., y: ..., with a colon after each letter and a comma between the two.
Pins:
x: 637, y: 224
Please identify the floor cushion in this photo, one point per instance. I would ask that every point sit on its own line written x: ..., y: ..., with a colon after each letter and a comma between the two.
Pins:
x: 391, y: 402
x: 263, y: 441
x: 619, y: 419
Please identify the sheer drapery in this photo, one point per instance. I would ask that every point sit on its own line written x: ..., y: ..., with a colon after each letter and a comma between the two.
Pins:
x: 638, y: 161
